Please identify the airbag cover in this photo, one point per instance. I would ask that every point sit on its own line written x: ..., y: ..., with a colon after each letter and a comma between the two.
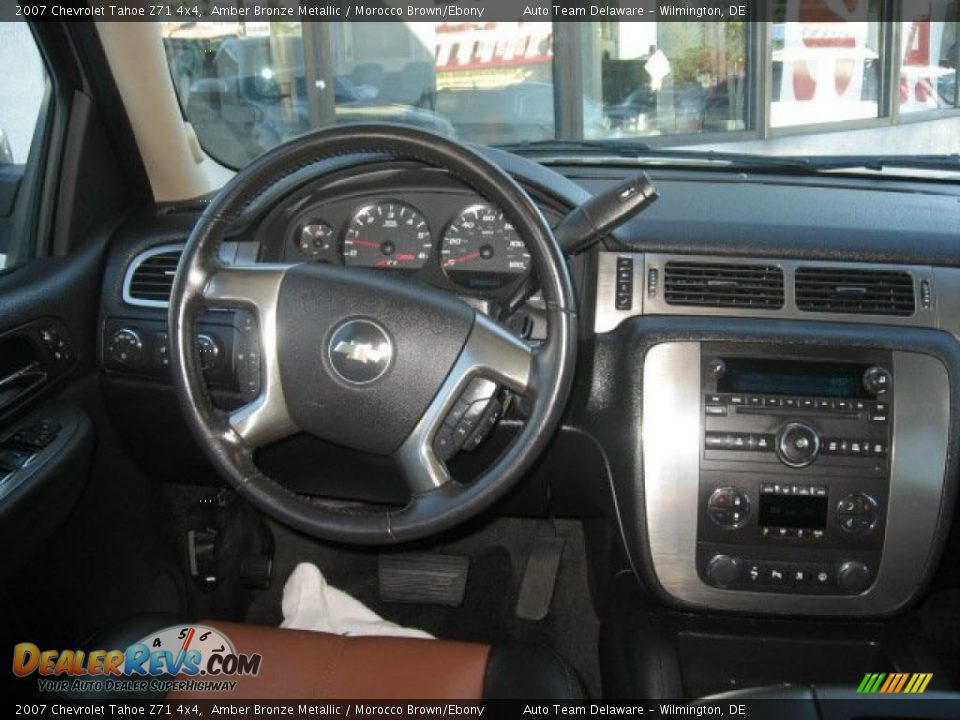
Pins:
x: 362, y: 354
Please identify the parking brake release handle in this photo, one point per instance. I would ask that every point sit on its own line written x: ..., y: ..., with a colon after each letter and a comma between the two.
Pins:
x: 588, y: 223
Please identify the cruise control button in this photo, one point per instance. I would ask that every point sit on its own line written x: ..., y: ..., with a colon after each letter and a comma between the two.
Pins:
x: 443, y: 444
x: 456, y: 413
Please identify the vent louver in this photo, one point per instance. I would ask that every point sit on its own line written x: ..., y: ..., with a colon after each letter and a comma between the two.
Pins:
x: 151, y: 278
x: 723, y: 285
x: 862, y: 292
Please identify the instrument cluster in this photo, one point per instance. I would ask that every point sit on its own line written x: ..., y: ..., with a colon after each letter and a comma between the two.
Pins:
x: 447, y: 237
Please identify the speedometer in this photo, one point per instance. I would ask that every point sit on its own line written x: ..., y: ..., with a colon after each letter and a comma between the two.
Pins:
x: 387, y: 235
x: 481, y: 249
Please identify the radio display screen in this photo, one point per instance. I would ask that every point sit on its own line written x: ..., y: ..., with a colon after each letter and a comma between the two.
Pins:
x: 791, y: 377
x: 793, y: 511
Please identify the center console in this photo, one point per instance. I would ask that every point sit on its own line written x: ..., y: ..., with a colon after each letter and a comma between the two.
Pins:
x: 796, y: 479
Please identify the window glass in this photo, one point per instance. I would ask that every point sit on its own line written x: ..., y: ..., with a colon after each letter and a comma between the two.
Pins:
x: 668, y: 78
x: 21, y: 90
x: 929, y: 54
x: 247, y: 87
x: 826, y: 64
x: 22, y: 85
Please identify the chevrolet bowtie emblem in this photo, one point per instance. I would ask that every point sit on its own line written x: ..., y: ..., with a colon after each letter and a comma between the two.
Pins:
x: 363, y: 352
x: 360, y: 351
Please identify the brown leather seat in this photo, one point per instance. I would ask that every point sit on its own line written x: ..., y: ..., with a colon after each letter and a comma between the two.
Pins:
x: 301, y: 664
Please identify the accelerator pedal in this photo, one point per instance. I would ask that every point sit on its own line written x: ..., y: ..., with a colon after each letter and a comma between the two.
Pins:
x: 423, y: 578
x: 539, y: 577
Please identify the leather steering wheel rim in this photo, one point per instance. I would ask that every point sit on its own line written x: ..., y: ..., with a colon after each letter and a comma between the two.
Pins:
x: 544, y: 374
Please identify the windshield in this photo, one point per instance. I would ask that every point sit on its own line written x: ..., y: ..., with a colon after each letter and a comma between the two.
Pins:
x: 821, y: 78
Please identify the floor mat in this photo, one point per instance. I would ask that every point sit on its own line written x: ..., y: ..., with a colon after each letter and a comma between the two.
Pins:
x: 497, y: 552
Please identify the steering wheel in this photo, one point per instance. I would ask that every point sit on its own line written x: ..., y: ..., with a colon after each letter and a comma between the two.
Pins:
x: 370, y: 361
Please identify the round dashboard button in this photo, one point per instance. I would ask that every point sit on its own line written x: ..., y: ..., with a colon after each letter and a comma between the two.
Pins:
x: 797, y: 445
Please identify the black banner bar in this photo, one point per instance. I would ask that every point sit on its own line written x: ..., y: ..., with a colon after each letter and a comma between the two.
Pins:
x: 873, y: 706
x: 440, y: 11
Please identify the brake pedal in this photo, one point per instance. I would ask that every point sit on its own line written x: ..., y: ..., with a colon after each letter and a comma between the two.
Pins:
x: 424, y: 578
x: 539, y: 577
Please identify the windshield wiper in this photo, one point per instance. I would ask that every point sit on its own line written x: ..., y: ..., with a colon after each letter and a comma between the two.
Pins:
x: 795, y: 164
x: 882, y: 162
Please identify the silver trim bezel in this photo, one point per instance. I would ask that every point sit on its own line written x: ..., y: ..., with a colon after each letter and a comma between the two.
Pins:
x: 671, y: 481
x: 607, y: 317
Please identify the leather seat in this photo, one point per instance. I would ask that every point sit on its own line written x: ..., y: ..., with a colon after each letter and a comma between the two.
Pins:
x: 298, y: 664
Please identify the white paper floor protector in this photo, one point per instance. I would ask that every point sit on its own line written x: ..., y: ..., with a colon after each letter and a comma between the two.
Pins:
x: 310, y: 603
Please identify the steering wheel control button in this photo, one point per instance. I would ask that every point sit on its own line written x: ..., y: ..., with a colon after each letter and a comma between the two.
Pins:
x: 797, y: 445
x: 858, y: 513
x: 444, y: 446
x: 491, y: 415
x: 479, y: 389
x: 877, y: 380
x: 723, y: 570
x: 728, y: 507
x: 360, y: 351
x: 208, y: 350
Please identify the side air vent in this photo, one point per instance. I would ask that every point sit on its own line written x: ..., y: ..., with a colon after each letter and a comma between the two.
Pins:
x: 863, y: 292
x: 149, y: 278
x: 723, y: 285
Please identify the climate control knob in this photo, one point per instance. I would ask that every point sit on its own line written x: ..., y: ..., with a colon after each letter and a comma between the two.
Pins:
x: 728, y: 507
x: 797, y: 445
x: 853, y: 577
x: 858, y: 513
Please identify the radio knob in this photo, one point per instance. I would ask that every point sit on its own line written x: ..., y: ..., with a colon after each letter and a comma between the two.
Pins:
x: 718, y: 368
x: 853, y: 577
x: 723, y: 570
x: 876, y: 380
x: 798, y: 445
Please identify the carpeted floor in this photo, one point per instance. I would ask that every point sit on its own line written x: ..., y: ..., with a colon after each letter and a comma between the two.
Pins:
x: 497, y: 552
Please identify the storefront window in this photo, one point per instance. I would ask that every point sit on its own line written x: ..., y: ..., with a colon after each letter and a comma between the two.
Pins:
x: 929, y: 58
x: 826, y: 62
x: 669, y: 78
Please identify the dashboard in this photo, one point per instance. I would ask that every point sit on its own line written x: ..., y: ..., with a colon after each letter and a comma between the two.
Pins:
x: 778, y: 272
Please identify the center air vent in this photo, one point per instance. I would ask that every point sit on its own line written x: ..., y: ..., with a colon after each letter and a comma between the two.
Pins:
x: 723, y: 285
x: 150, y: 276
x: 845, y: 290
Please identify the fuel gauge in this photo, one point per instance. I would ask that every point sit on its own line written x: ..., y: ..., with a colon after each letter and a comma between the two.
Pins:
x: 315, y: 239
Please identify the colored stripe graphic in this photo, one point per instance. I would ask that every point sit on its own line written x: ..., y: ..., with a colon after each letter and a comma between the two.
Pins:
x: 894, y: 683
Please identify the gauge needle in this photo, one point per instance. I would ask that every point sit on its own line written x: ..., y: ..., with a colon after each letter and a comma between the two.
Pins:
x: 463, y: 258
x: 366, y: 243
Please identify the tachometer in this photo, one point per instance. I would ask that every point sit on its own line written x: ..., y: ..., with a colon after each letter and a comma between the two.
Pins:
x: 481, y: 250
x: 387, y: 235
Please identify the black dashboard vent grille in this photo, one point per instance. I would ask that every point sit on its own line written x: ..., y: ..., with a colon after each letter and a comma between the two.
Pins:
x: 862, y: 292
x: 152, y: 278
x: 723, y: 285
